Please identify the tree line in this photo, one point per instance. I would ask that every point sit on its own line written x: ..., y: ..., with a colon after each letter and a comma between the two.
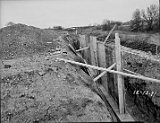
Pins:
x: 142, y: 20
x: 146, y: 20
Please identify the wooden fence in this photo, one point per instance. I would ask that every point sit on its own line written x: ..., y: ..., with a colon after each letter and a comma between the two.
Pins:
x: 103, y: 58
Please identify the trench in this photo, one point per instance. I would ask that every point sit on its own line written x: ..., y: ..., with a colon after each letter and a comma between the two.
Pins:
x: 143, y: 103
x: 149, y: 111
x: 75, y: 44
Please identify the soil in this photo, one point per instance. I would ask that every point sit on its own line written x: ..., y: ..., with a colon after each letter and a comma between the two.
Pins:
x: 142, y: 97
x: 37, y: 88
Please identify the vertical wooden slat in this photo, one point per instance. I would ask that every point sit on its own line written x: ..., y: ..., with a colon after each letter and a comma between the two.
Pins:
x: 82, y: 43
x: 115, y: 75
x: 85, y: 41
x: 87, y: 52
x: 102, y: 63
x: 93, y: 44
x: 119, y: 77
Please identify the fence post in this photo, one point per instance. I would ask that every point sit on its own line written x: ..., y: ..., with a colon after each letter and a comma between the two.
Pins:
x: 119, y: 77
x: 102, y: 63
x: 93, y: 51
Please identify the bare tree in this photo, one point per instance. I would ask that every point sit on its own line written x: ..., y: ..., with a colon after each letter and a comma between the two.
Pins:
x: 151, y: 16
x: 136, y: 23
x: 106, y: 25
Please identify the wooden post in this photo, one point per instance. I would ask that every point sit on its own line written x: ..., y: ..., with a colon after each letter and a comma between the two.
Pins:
x: 88, y: 52
x: 147, y: 79
x: 93, y: 51
x: 109, y: 34
x: 82, y: 44
x: 115, y: 75
x: 102, y: 63
x: 119, y: 77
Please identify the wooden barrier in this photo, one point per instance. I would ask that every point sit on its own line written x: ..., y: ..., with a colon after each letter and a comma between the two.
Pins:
x: 93, y: 51
x: 102, y: 63
x: 111, y: 71
x: 101, y: 60
x: 119, y: 77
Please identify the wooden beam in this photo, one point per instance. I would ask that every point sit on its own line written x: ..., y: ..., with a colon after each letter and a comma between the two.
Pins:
x: 130, y: 72
x: 110, y: 71
x: 101, y: 57
x: 109, y: 34
x: 100, y: 75
x: 119, y: 77
x: 93, y: 51
x: 85, y: 48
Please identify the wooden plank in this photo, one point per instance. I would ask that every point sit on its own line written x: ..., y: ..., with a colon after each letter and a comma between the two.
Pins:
x: 85, y: 48
x: 119, y: 77
x: 103, y: 73
x: 84, y: 39
x: 102, y: 63
x: 111, y: 71
x: 82, y: 43
x: 115, y: 76
x: 87, y: 52
x: 109, y: 34
x: 93, y: 51
x: 93, y: 43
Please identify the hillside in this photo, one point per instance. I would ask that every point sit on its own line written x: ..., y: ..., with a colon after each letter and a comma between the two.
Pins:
x: 22, y: 40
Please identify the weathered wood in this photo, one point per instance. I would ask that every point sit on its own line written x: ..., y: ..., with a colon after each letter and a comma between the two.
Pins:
x: 119, y: 77
x: 115, y: 76
x: 88, y: 52
x: 93, y: 51
x: 85, y: 41
x: 82, y: 44
x: 103, y: 73
x: 85, y: 48
x: 109, y: 34
x: 102, y: 63
x: 111, y: 71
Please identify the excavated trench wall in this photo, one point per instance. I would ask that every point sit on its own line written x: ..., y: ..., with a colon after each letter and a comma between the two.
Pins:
x: 144, y: 102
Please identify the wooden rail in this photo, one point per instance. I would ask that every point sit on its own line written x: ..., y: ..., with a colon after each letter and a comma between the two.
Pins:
x: 100, y: 75
x: 109, y: 34
x: 85, y: 48
x: 120, y: 80
x: 110, y: 71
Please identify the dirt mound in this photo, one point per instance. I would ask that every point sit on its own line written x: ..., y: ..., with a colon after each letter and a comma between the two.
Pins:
x: 21, y: 40
x: 40, y: 89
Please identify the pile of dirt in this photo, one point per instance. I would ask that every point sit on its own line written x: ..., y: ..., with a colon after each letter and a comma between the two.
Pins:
x: 40, y: 89
x: 21, y: 40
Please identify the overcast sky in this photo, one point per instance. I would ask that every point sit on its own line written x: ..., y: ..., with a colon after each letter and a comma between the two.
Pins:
x: 68, y: 13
